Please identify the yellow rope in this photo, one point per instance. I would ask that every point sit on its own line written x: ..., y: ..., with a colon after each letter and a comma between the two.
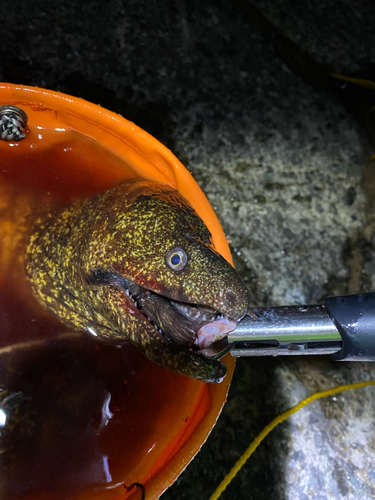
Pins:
x: 254, y: 445
x: 358, y: 81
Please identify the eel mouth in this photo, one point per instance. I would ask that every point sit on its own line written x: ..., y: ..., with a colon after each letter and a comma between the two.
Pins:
x: 193, y: 325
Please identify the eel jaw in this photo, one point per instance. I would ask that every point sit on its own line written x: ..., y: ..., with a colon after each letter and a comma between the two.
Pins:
x: 211, y: 326
x: 194, y: 326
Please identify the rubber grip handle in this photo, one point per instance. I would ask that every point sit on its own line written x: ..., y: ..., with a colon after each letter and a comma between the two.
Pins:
x: 354, y: 317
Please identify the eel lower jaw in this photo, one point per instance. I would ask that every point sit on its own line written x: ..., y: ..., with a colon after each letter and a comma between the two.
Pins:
x: 214, y: 332
x: 211, y: 326
x: 195, y: 326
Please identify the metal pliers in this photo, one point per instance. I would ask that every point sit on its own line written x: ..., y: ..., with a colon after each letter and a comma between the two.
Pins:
x: 343, y: 327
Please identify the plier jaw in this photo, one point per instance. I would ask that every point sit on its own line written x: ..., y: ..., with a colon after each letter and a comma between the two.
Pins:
x: 343, y: 327
x: 280, y: 331
x: 284, y: 331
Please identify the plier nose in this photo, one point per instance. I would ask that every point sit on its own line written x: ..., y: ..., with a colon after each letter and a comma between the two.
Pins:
x: 343, y: 327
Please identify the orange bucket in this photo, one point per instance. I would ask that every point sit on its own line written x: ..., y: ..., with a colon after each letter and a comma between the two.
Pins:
x: 73, y: 132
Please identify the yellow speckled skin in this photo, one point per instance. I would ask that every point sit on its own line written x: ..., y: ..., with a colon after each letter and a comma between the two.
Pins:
x: 127, y: 231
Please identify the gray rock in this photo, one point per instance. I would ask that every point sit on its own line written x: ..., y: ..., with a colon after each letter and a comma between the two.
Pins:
x: 282, y: 162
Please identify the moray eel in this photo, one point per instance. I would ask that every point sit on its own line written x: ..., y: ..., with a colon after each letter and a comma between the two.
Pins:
x: 137, y: 263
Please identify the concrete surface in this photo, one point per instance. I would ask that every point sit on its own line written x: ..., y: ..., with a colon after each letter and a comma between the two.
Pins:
x: 282, y: 162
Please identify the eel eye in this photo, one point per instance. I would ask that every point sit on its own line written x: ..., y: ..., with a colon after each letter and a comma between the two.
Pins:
x: 176, y: 259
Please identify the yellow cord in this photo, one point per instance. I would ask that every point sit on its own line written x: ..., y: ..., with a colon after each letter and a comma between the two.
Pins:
x: 358, y: 81
x: 254, y: 445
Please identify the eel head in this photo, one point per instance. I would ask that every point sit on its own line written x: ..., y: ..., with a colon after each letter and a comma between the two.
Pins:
x: 137, y: 263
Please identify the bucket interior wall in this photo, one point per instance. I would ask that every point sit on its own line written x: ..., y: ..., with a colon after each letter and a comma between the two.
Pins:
x: 116, y: 418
